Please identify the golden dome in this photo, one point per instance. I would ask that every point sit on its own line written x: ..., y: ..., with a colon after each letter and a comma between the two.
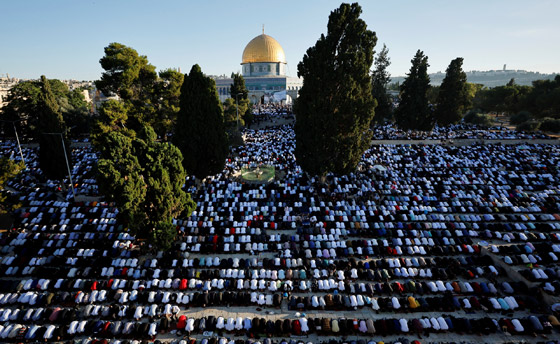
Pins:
x: 263, y: 48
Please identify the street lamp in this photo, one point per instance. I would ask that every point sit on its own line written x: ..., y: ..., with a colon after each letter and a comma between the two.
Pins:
x: 65, y: 158
x: 237, y: 108
x: 17, y: 138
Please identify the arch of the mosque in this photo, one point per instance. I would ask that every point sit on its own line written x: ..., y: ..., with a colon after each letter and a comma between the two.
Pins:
x: 264, y: 68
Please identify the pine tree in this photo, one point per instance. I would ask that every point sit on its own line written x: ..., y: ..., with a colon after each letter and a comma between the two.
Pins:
x: 131, y: 77
x: 414, y: 111
x: 380, y: 78
x: 53, y: 131
x: 200, y: 132
x: 126, y: 73
x: 335, y: 105
x: 144, y: 178
x: 453, y: 94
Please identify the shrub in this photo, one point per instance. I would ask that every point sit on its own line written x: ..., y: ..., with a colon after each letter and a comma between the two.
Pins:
x: 520, y: 117
x: 479, y: 119
x: 468, y: 118
x: 528, y: 126
x: 550, y: 124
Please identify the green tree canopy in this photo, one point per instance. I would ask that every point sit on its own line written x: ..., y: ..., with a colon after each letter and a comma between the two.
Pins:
x: 168, y: 94
x: 113, y: 117
x: 480, y: 119
x: 238, y: 87
x: 142, y: 176
x: 131, y: 77
x: 394, y: 86
x: 126, y: 72
x: 414, y: 111
x: 432, y: 95
x: 145, y: 179
x: 509, y: 98
x: 520, y: 117
x: 200, y: 132
x: 544, y: 98
x: 151, y: 98
x: 472, y: 90
x: 23, y: 103
x: 335, y: 105
x: 53, y: 141
x: 380, y: 79
x: 453, y: 94
x: 238, y: 104
x: 77, y: 113
x: 531, y: 125
x: 113, y: 114
x: 233, y: 109
x: 8, y: 170
x: 550, y: 124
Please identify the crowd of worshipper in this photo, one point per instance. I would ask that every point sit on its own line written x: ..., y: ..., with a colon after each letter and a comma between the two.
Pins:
x: 272, y: 114
x: 455, y: 131
x: 429, y: 239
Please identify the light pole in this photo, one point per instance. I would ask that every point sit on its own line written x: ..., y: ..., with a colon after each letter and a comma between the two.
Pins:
x: 65, y: 158
x: 17, y: 139
x: 237, y: 108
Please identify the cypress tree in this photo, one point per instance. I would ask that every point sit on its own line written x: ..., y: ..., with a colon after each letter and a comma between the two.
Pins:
x: 200, y: 131
x: 168, y: 93
x: 380, y: 78
x: 414, y: 111
x: 238, y: 87
x: 335, y: 105
x: 239, y: 90
x: 453, y: 94
x: 51, y: 126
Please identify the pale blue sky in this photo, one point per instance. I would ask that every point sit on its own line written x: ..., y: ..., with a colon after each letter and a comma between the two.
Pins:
x: 65, y: 39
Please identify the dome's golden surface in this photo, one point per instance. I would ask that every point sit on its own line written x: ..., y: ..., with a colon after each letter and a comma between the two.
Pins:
x: 263, y: 48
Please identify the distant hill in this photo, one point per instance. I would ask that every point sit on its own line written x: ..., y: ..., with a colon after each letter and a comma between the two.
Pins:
x: 491, y: 78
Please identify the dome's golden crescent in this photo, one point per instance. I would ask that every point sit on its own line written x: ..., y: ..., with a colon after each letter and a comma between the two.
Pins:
x: 263, y: 48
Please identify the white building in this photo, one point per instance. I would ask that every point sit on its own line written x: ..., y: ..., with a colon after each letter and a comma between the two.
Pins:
x: 5, y: 84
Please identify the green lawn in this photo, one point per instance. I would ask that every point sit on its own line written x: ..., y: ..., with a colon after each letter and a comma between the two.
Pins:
x: 259, y: 174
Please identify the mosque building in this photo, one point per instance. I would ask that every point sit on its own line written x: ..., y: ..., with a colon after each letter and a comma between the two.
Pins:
x: 263, y: 66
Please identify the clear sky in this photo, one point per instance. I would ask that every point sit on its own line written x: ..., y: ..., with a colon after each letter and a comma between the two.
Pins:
x: 65, y: 39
